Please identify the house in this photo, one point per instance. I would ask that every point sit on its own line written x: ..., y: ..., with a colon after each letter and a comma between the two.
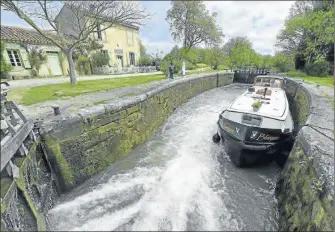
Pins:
x: 19, y: 41
x: 121, y: 42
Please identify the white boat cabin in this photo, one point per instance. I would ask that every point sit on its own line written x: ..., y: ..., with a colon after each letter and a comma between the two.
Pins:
x: 273, y: 106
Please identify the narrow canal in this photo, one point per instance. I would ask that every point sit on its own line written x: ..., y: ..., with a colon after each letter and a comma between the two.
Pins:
x: 178, y: 180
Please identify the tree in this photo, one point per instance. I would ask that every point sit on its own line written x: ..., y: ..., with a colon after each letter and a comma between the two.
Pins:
x: 4, y: 66
x: 192, y: 55
x: 83, y: 18
x: 157, y: 56
x: 143, y: 50
x: 232, y: 41
x: 214, y: 57
x: 308, y: 32
x: 283, y: 62
x: 256, y: 59
x: 267, y: 61
x: 242, y: 54
x: 191, y: 23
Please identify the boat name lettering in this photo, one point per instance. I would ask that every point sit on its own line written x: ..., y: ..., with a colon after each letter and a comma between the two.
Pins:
x: 267, y: 137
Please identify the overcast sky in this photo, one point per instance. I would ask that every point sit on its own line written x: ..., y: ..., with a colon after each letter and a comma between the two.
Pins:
x: 260, y: 21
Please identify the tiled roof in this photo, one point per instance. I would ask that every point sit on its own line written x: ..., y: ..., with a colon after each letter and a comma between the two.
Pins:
x: 20, y: 34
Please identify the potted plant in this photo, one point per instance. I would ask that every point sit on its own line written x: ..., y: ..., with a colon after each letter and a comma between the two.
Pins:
x: 256, y: 105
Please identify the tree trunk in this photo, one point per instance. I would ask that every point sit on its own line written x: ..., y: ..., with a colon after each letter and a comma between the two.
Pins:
x: 72, y: 74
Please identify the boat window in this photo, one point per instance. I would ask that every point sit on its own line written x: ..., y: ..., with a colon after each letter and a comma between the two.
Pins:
x: 258, y: 81
x: 251, y: 120
x: 276, y: 83
x: 268, y: 82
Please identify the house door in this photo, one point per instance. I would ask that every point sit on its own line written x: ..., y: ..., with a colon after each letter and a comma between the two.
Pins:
x: 119, y: 61
x: 54, y: 63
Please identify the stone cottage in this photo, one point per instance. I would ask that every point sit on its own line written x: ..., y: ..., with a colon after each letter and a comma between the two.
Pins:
x: 20, y: 41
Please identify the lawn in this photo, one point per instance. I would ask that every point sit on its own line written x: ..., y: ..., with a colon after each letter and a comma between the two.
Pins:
x: 29, y: 96
x: 209, y: 70
x: 326, y: 81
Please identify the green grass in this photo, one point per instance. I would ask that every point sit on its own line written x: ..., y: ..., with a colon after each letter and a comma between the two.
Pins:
x: 200, y: 65
x: 209, y: 70
x: 326, y: 81
x: 29, y: 96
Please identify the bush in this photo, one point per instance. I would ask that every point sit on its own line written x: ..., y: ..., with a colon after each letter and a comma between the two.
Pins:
x: 83, y: 65
x: 144, y: 61
x: 4, y: 66
x: 99, y: 59
x: 296, y: 74
x: 189, y: 66
x: 36, y: 59
x: 165, y: 66
x: 319, y: 69
x: 200, y: 65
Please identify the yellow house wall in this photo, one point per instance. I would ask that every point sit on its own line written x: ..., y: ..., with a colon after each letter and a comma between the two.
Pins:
x: 116, y: 38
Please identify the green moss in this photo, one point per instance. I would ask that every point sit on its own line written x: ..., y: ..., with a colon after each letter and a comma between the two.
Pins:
x: 41, y: 224
x: 303, y: 106
x: 304, y: 210
x: 65, y: 169
x: 18, y: 161
x: 3, y: 207
x: 20, y: 182
x: 100, y: 146
x: 5, y: 185
x: 106, y: 128
x: 20, y: 209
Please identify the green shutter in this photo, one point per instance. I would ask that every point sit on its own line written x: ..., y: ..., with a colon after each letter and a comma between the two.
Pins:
x: 110, y: 54
x: 24, y: 57
x: 6, y: 57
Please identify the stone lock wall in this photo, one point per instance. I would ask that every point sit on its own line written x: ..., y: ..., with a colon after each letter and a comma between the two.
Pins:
x: 26, y: 198
x: 305, y: 190
x: 85, y: 145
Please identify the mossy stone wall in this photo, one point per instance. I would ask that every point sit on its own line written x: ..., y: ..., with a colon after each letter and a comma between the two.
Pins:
x: 25, y: 199
x: 305, y: 189
x: 81, y: 147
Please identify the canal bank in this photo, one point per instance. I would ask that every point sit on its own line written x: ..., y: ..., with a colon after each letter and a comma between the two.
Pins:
x: 98, y: 145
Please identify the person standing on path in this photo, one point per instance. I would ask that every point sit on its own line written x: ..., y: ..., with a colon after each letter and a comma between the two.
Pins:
x: 171, y: 70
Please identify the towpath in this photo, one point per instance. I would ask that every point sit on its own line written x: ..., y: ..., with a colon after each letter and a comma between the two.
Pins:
x: 72, y: 104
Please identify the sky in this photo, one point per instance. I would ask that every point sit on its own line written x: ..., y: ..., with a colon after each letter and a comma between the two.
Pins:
x: 260, y: 21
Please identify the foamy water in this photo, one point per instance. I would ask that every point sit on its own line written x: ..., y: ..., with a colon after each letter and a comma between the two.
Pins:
x: 173, y: 182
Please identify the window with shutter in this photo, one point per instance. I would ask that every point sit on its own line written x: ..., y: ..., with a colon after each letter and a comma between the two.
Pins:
x: 131, y: 58
x: 14, y: 57
x: 24, y: 58
x: 97, y: 33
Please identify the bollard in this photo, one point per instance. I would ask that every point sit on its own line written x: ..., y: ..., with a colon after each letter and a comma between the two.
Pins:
x: 56, y: 109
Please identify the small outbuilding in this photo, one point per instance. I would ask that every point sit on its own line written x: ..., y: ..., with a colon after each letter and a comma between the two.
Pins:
x: 19, y: 42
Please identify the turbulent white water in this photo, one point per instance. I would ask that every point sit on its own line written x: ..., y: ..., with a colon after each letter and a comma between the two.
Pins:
x: 176, y: 181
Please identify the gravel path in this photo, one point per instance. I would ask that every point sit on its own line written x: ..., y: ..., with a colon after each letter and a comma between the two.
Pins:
x: 72, y: 104
x: 325, y: 90
x: 57, y: 80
